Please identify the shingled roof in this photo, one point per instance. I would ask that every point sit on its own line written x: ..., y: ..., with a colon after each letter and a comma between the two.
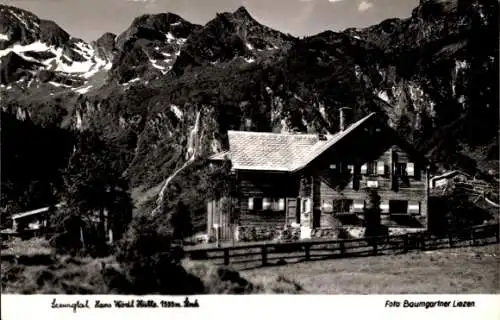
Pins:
x: 278, y: 151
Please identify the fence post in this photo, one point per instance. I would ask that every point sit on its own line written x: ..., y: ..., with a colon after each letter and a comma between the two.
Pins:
x: 226, y: 256
x: 422, y: 242
x: 374, y: 252
x: 405, y: 243
x: 342, y: 247
x: 450, y: 239
x: 307, y: 248
x: 264, y: 255
x: 472, y: 237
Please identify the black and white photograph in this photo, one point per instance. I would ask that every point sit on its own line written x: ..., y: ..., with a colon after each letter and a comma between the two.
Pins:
x: 236, y: 147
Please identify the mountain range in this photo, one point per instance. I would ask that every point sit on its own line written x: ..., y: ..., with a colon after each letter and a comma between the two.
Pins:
x: 165, y: 91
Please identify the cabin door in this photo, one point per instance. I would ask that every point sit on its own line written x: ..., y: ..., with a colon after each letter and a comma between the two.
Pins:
x: 292, y: 211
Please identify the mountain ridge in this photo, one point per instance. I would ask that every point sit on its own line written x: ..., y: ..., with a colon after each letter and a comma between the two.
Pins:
x: 178, y: 87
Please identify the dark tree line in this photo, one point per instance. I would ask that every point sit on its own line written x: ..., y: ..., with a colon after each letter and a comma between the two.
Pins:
x: 32, y: 159
x: 96, y: 198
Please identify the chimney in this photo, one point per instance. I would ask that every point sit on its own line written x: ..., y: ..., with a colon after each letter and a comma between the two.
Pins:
x: 344, y: 117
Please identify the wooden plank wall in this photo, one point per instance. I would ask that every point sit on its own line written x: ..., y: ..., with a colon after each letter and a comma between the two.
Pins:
x: 416, y: 191
x: 271, y: 185
x: 216, y: 215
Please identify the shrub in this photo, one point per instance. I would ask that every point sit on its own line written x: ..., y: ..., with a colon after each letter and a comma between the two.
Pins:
x: 150, y: 262
x: 342, y: 233
x: 224, y: 280
x: 217, y: 280
x: 64, y: 276
x: 372, y: 216
x: 280, y: 284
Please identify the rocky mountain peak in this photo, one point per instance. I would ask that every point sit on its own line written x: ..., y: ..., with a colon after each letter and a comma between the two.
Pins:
x: 242, y: 13
x: 52, y: 34
x: 104, y: 46
x: 21, y: 27
x: 155, y: 27
x: 17, y: 26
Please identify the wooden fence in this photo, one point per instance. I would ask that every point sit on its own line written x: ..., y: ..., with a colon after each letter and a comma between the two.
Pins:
x: 254, y: 255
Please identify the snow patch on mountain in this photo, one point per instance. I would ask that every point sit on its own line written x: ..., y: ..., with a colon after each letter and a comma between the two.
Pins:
x: 84, y: 89
x: 59, y: 61
x: 177, y: 111
x: 57, y: 84
x: 22, y: 19
x: 155, y: 65
x: 84, y: 49
x: 170, y: 37
x: 132, y: 81
x: 383, y: 95
x: 19, y: 49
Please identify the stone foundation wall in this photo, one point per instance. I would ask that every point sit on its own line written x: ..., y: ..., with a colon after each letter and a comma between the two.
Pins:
x: 264, y: 233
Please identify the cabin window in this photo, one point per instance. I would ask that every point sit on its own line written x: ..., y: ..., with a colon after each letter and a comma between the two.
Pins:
x: 371, y: 168
x: 398, y: 206
x: 416, y: 171
x: 380, y: 168
x: 384, y: 206
x: 410, y: 169
x: 414, y: 207
x: 342, y: 206
x: 327, y: 206
x: 255, y: 204
x: 358, y: 206
x: 372, y: 184
x: 364, y: 169
x: 401, y: 169
x: 338, y: 168
x: 266, y: 204
x: 278, y: 204
x: 274, y: 204
x: 306, y: 205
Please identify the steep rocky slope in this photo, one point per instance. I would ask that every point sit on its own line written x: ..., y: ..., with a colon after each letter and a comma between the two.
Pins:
x: 167, y: 91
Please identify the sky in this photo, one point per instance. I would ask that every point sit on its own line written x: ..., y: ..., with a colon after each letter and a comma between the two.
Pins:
x: 89, y: 19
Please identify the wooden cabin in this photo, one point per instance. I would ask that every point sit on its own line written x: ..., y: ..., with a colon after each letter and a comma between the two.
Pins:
x: 31, y: 223
x: 315, y: 181
x: 34, y: 223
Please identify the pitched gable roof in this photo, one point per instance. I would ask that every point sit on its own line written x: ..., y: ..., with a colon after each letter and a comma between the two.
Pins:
x: 269, y: 151
x: 336, y: 138
x: 280, y: 152
x: 33, y: 212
